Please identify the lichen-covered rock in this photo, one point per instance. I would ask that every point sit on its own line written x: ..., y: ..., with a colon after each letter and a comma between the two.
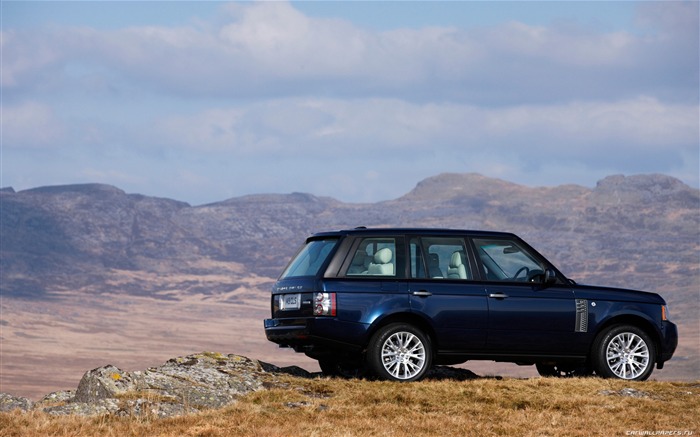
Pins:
x: 181, y: 385
x: 103, y: 382
x: 9, y: 402
x: 58, y: 396
x: 94, y: 408
x: 206, y: 380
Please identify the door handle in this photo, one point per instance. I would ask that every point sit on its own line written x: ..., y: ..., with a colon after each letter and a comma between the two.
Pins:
x: 422, y: 293
x: 498, y: 295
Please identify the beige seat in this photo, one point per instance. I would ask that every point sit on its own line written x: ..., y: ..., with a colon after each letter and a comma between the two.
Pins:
x: 456, y: 270
x: 358, y: 265
x: 382, y: 265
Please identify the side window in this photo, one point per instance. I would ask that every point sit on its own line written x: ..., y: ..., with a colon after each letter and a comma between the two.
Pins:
x: 506, y: 260
x: 374, y: 257
x: 444, y: 258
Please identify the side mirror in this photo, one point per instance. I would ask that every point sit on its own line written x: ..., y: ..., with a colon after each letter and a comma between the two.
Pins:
x: 550, y: 277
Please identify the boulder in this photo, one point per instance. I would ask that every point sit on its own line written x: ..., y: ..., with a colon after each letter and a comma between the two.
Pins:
x: 9, y: 402
x: 179, y: 386
x: 103, y: 382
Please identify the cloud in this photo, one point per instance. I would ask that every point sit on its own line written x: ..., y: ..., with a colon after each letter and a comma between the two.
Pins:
x: 271, y: 49
x: 266, y: 98
x: 589, y: 131
x: 32, y: 125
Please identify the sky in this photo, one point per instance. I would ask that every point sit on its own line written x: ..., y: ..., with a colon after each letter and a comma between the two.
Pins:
x: 360, y: 101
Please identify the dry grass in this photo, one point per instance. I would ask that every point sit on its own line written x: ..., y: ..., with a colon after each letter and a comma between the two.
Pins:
x: 323, y: 407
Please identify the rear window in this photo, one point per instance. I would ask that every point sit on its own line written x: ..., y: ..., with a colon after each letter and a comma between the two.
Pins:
x: 310, y: 258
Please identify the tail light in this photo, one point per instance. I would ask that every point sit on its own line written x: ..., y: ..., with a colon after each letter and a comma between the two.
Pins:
x: 664, y: 312
x: 324, y: 304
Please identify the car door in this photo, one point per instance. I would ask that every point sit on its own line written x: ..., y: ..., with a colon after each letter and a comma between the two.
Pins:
x: 371, y: 283
x: 442, y: 290
x: 526, y: 316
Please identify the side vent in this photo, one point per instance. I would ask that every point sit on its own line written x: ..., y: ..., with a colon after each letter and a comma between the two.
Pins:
x: 581, y: 315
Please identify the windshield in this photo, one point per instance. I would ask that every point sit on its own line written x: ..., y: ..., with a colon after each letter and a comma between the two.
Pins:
x: 310, y: 258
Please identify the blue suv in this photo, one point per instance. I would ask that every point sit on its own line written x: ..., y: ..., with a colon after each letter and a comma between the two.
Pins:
x: 394, y: 302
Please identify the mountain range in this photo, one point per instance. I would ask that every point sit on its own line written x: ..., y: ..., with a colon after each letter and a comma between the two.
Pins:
x: 636, y: 231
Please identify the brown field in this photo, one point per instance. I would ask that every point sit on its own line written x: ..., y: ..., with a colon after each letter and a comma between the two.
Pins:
x: 48, y: 345
x: 485, y: 406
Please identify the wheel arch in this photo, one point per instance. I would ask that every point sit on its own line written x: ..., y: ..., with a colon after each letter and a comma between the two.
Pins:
x: 409, y: 318
x: 634, y: 320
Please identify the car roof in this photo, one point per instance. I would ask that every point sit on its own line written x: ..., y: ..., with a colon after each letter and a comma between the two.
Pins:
x: 410, y: 231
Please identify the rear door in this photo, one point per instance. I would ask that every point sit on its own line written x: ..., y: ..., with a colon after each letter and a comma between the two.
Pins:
x: 441, y: 288
x: 372, y: 282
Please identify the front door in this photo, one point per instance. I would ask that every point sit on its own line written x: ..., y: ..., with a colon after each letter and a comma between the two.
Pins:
x: 525, y: 315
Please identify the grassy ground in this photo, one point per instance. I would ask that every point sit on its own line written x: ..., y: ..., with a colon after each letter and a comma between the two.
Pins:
x: 331, y: 407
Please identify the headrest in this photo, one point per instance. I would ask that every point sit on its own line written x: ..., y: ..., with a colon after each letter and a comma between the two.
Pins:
x: 456, y: 259
x: 383, y: 256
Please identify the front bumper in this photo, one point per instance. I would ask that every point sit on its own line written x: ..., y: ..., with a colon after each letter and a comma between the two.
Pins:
x: 669, y: 341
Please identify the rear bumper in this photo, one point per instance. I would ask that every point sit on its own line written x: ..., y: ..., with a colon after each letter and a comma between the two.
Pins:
x: 315, y: 333
x: 281, y: 331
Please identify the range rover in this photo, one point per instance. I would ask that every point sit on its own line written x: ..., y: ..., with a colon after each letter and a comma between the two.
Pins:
x: 394, y: 302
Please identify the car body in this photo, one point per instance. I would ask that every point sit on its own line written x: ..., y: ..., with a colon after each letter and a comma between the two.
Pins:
x: 394, y: 302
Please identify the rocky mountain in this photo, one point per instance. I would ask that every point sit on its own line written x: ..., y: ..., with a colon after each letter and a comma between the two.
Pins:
x: 638, y: 231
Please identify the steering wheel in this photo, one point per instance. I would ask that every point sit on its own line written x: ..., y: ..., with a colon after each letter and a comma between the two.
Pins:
x: 521, y: 270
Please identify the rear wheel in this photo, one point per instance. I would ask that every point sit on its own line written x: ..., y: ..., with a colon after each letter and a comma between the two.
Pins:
x: 399, y: 352
x: 624, y: 352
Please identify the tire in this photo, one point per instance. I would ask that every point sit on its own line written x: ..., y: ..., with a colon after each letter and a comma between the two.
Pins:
x: 563, y: 370
x: 399, y: 352
x: 624, y: 352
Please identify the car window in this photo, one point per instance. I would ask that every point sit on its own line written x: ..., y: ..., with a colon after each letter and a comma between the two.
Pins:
x: 374, y: 257
x: 506, y: 260
x: 439, y: 258
x: 310, y: 258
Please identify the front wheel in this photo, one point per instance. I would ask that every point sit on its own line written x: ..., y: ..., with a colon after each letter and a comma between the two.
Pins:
x: 399, y: 352
x: 624, y: 352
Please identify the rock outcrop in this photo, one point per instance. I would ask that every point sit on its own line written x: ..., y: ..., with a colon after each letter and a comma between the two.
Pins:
x: 181, y: 385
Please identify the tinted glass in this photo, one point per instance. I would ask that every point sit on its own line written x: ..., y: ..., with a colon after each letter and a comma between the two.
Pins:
x: 445, y: 258
x: 506, y: 260
x: 310, y: 259
x: 374, y: 257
